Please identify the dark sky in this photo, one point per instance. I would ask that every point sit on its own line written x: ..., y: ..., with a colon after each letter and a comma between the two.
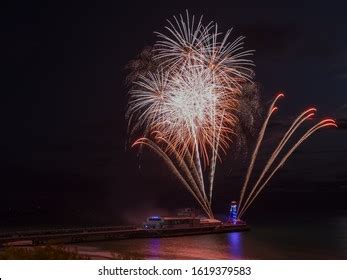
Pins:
x: 63, y: 140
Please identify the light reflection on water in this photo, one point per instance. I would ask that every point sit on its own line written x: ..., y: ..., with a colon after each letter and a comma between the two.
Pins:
x: 235, y: 244
x: 154, y: 244
x: 306, y: 239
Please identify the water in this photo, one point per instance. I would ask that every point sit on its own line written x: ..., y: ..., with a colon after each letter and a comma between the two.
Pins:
x: 299, y: 238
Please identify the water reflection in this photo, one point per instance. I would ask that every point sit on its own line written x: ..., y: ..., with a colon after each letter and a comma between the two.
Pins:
x: 235, y: 245
x: 154, y: 248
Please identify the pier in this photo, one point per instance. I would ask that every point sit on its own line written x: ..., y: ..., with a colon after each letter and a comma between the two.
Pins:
x: 91, y: 234
x: 67, y: 236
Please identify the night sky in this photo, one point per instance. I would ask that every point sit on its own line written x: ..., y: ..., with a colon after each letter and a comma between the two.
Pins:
x: 64, y: 157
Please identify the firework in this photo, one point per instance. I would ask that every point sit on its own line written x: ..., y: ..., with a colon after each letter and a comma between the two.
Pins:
x: 188, y: 99
x: 256, y: 189
x: 272, y: 109
x: 187, y: 105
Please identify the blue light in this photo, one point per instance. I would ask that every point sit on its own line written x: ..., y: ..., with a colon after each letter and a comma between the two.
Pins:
x: 154, y: 218
x: 233, y: 212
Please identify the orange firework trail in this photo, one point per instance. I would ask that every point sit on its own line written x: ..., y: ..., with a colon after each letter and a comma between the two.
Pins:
x: 287, y: 136
x: 185, y: 105
x: 272, y: 109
